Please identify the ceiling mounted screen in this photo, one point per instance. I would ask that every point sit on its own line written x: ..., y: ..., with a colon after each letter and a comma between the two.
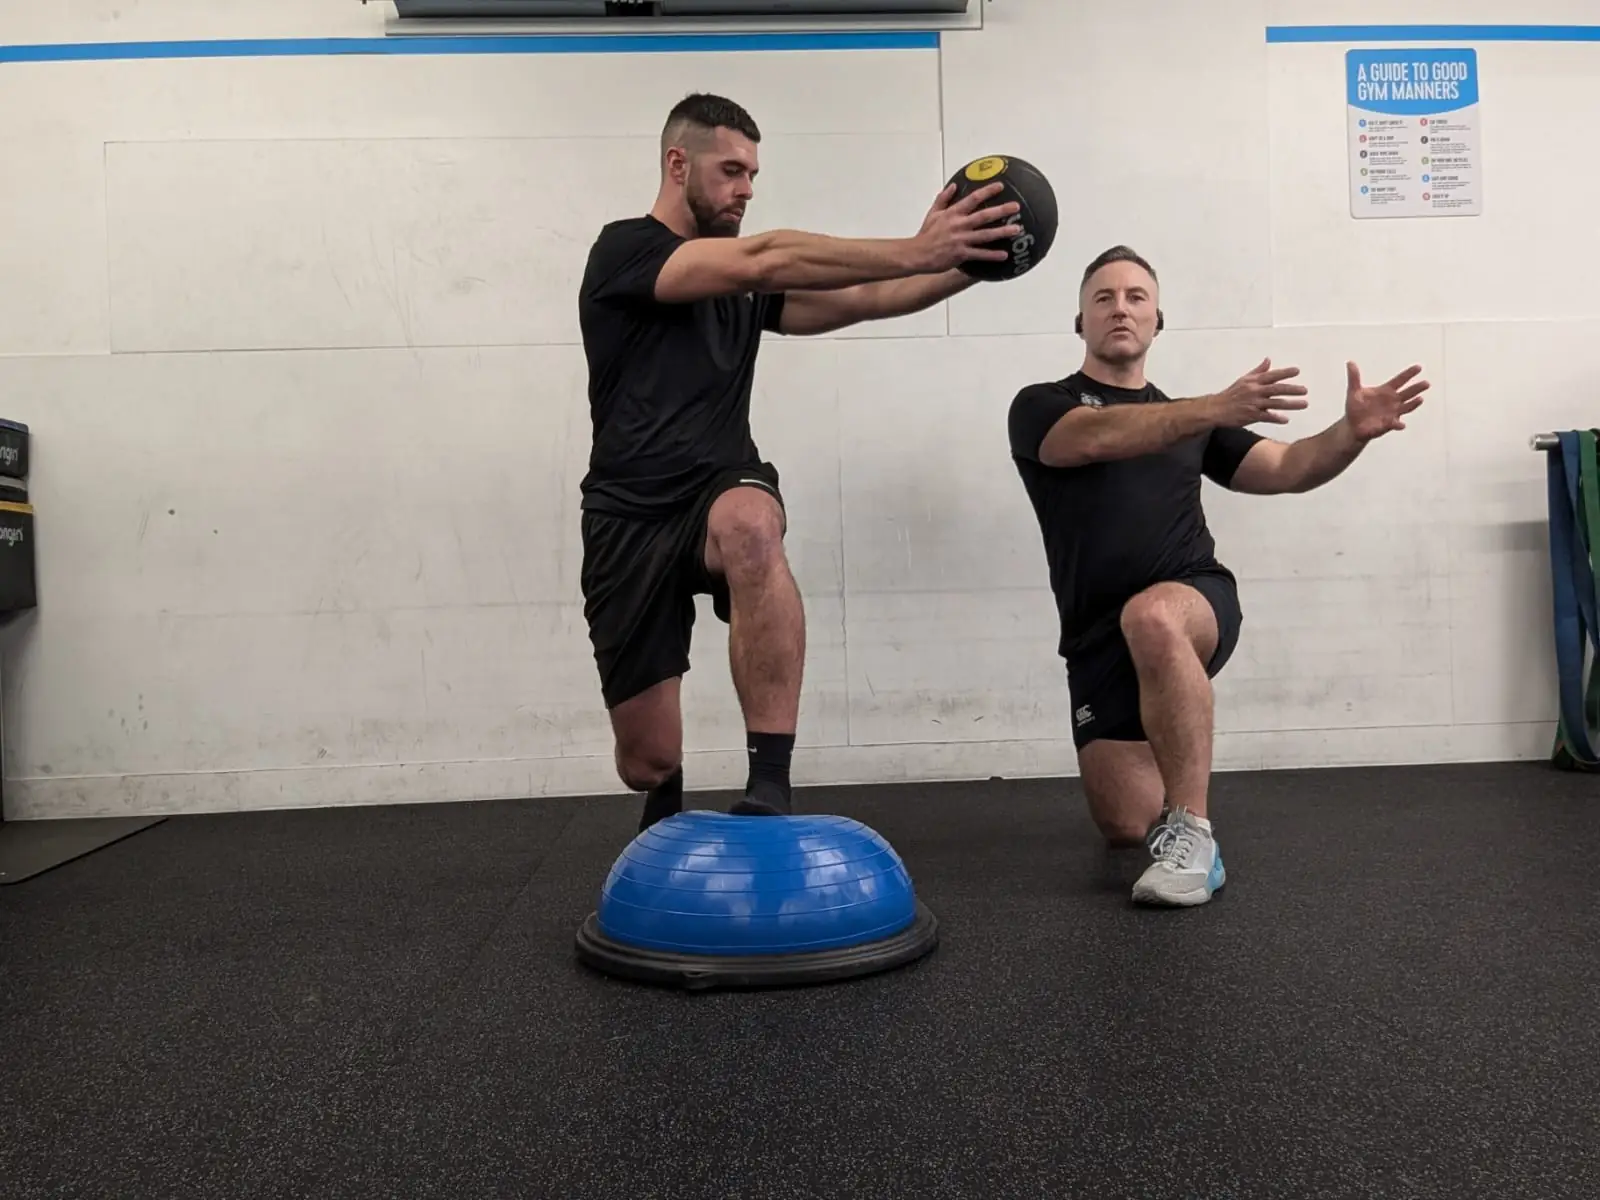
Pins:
x: 806, y: 8
x: 523, y: 10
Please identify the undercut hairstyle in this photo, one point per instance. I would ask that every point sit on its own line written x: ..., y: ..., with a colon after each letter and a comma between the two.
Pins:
x: 695, y: 118
x: 1114, y: 255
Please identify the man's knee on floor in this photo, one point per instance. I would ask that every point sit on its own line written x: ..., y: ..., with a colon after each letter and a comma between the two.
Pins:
x: 1127, y: 812
x: 1123, y: 831
x: 1123, y: 786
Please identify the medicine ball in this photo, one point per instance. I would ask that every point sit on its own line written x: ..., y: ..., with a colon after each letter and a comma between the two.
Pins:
x: 1027, y: 186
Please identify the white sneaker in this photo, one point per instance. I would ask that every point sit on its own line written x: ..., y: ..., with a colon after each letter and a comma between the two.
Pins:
x: 1188, y: 865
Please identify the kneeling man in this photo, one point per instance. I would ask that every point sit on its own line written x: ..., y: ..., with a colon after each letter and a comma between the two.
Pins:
x: 1148, y: 614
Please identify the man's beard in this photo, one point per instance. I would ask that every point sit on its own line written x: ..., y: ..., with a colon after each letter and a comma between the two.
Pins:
x: 707, y: 220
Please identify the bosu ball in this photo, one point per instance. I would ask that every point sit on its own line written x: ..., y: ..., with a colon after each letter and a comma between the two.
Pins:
x: 709, y: 900
x: 1023, y: 183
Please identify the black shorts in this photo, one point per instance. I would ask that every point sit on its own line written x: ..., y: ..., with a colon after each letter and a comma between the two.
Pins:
x: 639, y: 580
x: 1103, y: 683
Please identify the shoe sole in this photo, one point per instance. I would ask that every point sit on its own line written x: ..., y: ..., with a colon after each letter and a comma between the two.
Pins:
x: 1187, y: 899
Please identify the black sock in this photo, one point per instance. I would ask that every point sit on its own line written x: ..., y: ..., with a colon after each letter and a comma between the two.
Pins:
x: 665, y: 800
x: 769, y: 759
x: 768, y: 787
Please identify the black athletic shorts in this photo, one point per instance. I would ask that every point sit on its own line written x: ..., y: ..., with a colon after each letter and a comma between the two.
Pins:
x: 639, y: 580
x: 1103, y: 683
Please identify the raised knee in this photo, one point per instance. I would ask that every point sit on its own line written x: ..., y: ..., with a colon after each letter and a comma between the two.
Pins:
x: 1151, y: 625
x: 750, y: 542
x: 644, y: 769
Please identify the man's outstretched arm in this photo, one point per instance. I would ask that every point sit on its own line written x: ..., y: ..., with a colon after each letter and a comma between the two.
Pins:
x: 1089, y: 435
x: 788, y: 260
x: 1274, y: 468
x: 822, y: 312
x: 782, y: 261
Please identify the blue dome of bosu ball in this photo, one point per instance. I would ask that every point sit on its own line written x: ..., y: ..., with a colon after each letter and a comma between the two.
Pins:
x: 706, y: 899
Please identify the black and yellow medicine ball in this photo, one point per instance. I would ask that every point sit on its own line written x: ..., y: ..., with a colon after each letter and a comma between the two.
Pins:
x: 1025, y: 184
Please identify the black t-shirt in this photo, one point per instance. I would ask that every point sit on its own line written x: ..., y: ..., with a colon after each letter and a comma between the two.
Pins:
x: 1112, y: 529
x: 669, y: 384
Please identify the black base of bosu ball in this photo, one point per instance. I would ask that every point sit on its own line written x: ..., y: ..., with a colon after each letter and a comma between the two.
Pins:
x: 703, y: 972
x: 706, y: 900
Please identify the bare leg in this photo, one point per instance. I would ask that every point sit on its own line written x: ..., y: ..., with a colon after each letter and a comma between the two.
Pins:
x: 1171, y: 634
x: 1124, y: 789
x: 767, y: 632
x: 649, y: 749
x: 766, y: 635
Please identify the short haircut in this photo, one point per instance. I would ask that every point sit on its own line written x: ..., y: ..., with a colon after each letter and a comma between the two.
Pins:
x: 697, y: 116
x: 1114, y: 255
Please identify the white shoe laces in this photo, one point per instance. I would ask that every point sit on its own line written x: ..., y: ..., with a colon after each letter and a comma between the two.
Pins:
x: 1174, y: 844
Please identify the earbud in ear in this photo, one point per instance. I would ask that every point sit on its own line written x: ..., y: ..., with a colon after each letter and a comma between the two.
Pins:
x: 1077, y: 324
x: 1161, y: 320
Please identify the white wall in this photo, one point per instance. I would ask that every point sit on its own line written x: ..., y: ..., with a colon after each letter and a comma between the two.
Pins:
x: 297, y: 340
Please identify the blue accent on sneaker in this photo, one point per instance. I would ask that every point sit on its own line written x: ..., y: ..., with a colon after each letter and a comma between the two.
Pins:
x: 1218, y: 876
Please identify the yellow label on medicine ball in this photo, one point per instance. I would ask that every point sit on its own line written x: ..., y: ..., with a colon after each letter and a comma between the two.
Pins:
x: 985, y: 168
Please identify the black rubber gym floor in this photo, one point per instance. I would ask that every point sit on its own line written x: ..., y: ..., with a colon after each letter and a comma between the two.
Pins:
x: 1397, y: 995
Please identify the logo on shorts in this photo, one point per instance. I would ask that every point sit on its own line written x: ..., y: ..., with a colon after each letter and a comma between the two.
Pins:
x: 1084, y: 715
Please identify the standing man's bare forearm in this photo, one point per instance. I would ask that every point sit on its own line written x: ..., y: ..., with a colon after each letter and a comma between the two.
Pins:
x: 783, y: 261
x: 812, y: 311
x: 787, y: 260
x: 900, y: 297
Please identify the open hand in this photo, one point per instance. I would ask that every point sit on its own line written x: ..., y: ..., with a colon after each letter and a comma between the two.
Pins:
x: 1259, y: 395
x: 1374, y: 411
x: 958, y: 231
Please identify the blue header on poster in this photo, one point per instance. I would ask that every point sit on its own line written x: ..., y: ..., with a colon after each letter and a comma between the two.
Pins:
x: 1411, y: 83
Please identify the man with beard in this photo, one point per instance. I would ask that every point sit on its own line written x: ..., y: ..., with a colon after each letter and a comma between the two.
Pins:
x: 677, y: 500
x: 1148, y: 615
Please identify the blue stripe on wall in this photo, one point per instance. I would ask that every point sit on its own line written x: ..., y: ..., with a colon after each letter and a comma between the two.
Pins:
x: 587, y: 43
x: 1433, y: 33
x: 703, y: 43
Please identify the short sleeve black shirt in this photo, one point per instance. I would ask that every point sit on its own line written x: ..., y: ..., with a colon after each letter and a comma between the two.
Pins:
x: 669, y: 384
x: 1112, y: 529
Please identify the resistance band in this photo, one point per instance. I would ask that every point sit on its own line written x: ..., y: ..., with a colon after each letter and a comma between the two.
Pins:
x: 1574, y: 487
